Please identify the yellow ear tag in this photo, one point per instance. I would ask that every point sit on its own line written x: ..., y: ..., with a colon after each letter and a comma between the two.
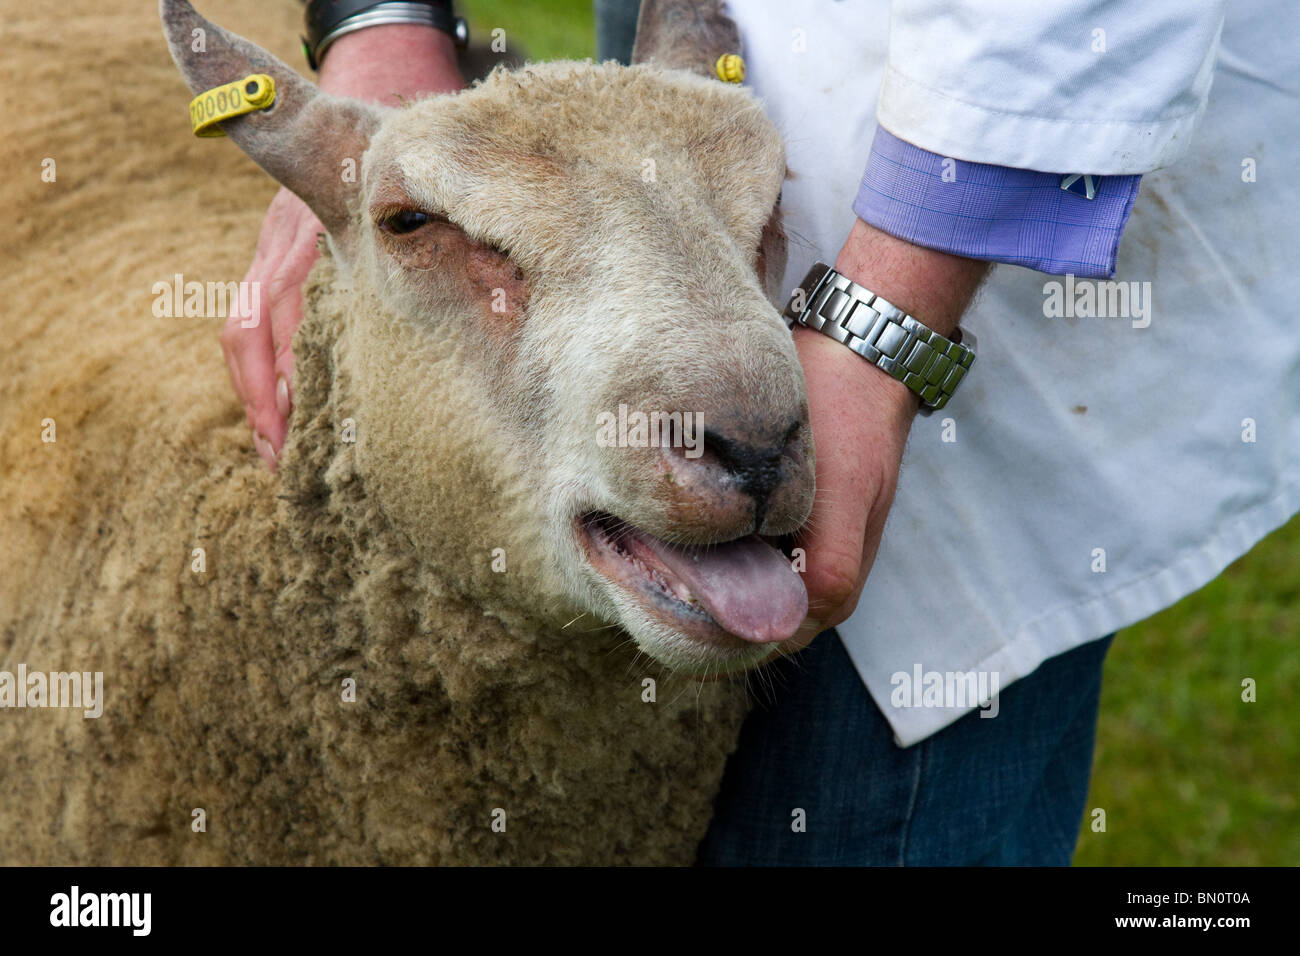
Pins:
x: 730, y: 68
x: 254, y: 92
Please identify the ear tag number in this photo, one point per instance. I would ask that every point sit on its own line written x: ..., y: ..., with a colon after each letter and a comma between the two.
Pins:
x: 254, y: 92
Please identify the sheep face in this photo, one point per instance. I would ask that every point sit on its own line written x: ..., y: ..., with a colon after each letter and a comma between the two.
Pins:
x: 572, y: 389
x: 580, y: 252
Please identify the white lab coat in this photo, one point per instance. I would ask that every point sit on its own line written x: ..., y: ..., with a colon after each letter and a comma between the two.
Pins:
x: 1096, y: 87
x: 1097, y: 469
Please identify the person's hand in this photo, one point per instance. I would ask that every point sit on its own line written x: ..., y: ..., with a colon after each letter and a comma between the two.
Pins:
x: 384, y: 64
x: 860, y: 421
x: 258, y: 348
x: 861, y: 418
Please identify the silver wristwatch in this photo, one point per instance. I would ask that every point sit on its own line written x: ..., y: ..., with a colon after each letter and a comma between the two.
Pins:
x: 883, y: 334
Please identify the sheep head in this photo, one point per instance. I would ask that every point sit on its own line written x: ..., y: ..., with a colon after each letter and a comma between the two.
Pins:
x: 572, y: 389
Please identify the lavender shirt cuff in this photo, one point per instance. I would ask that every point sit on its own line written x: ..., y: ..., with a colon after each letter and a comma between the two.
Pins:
x: 998, y: 213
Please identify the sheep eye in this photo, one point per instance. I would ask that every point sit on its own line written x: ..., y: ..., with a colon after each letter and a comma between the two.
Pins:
x: 403, y: 221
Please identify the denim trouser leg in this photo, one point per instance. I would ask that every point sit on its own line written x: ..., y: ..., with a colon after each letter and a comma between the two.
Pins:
x: 1004, y: 790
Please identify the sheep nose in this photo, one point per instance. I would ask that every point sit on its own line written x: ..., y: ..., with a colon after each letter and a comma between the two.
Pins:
x: 756, y: 470
x: 736, y: 479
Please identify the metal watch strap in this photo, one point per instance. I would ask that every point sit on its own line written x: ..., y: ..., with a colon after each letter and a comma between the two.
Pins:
x: 929, y: 364
x: 327, y: 20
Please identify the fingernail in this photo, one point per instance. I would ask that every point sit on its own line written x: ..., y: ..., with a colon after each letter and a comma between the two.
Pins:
x: 282, y: 397
x: 264, y: 449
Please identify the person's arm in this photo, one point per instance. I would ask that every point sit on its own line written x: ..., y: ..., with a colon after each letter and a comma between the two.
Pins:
x: 382, y: 64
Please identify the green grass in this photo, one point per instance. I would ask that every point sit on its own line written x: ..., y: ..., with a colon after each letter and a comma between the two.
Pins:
x: 554, y: 30
x: 1186, y: 771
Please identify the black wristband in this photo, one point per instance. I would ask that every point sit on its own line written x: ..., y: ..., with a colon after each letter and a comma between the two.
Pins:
x: 323, y: 17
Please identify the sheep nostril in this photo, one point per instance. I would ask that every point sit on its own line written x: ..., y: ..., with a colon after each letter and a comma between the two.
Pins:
x: 756, y: 471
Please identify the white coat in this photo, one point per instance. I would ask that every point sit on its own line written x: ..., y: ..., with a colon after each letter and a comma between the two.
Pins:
x: 1093, y: 468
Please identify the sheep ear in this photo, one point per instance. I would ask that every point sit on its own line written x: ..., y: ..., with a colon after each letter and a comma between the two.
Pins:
x: 303, y: 140
x: 684, y: 34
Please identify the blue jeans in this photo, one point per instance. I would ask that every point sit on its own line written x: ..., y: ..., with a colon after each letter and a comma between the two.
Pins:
x: 1007, y: 790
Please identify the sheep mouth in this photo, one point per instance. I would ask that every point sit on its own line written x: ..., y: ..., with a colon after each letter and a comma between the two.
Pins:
x: 733, y: 593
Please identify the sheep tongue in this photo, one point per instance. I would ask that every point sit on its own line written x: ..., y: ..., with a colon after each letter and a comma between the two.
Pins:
x: 748, y: 586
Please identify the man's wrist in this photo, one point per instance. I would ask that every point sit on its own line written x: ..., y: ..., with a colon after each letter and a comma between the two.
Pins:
x: 391, y: 63
x: 935, y: 287
x: 891, y: 402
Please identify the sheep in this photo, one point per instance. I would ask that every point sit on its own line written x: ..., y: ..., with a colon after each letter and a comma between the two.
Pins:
x: 449, y: 628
